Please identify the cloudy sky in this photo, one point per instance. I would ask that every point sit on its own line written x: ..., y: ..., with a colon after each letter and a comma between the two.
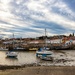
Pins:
x: 29, y: 18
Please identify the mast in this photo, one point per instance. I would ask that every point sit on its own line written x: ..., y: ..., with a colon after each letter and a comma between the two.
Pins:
x: 45, y: 32
x: 13, y: 40
x: 45, y: 38
x: 20, y: 41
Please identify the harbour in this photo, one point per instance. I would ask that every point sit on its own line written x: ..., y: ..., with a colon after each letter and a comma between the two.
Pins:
x: 61, y: 58
x: 37, y: 37
x: 22, y: 58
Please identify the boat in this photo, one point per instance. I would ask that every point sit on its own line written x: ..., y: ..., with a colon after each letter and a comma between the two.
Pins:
x: 44, y: 52
x: 19, y: 49
x: 48, y: 57
x: 11, y: 54
x: 3, y: 49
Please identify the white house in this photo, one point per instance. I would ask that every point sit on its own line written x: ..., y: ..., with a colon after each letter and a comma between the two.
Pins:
x: 54, y: 41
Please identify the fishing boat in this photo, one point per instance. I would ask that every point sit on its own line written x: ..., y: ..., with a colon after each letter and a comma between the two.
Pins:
x: 44, y: 52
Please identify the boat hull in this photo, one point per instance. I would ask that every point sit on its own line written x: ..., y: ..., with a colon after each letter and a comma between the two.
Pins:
x: 3, y: 49
x: 11, y: 54
x: 43, y: 53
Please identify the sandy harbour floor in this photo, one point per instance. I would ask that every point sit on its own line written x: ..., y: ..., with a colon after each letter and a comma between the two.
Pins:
x: 40, y: 70
x: 63, y: 64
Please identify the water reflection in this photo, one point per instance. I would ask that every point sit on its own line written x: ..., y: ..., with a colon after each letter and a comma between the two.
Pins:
x: 11, y: 58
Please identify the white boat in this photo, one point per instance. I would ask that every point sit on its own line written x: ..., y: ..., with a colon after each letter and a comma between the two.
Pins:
x: 11, y: 54
x: 44, y: 52
x: 47, y: 57
x: 19, y: 48
x: 3, y: 49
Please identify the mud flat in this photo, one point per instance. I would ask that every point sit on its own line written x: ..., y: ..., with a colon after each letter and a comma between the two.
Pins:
x: 5, y: 67
x: 40, y: 70
x: 62, y: 58
x: 63, y: 64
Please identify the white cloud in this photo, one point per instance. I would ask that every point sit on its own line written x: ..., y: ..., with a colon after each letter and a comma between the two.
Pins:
x: 53, y: 17
x: 6, y: 26
x: 5, y: 1
x: 39, y: 10
x: 64, y: 8
x: 60, y: 20
x: 18, y: 1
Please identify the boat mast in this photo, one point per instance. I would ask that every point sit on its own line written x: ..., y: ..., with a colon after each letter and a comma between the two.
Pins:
x: 45, y: 32
x: 13, y: 40
x: 45, y: 38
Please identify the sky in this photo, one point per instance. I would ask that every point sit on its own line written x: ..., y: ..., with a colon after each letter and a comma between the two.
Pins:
x: 29, y: 18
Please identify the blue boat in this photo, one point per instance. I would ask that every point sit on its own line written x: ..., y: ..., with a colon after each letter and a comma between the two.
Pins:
x: 43, y: 52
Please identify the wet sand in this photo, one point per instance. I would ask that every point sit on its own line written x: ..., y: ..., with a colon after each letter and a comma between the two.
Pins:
x: 40, y: 70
